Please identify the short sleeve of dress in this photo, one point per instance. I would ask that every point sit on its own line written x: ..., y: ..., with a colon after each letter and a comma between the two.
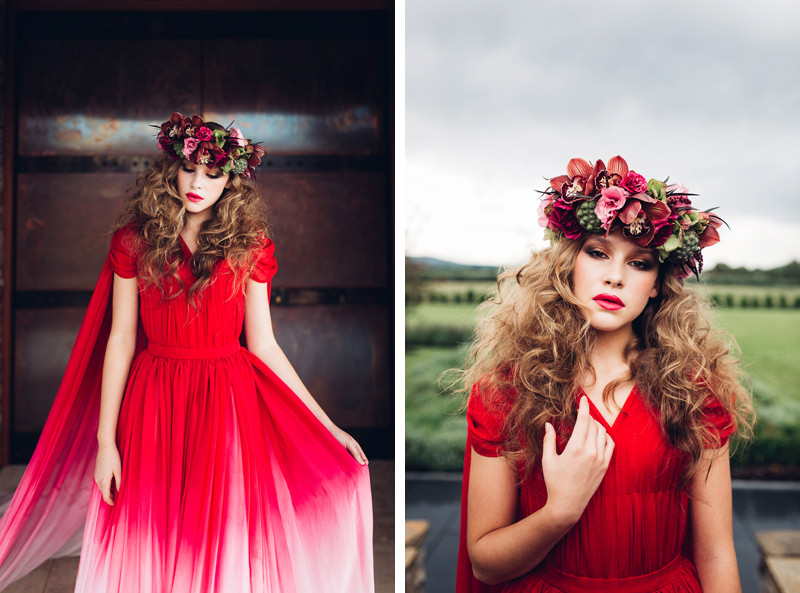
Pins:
x: 718, y: 421
x: 266, y: 265
x: 485, y: 421
x: 122, y: 253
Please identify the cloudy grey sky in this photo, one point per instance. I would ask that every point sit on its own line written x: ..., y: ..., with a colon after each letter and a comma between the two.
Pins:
x: 501, y: 94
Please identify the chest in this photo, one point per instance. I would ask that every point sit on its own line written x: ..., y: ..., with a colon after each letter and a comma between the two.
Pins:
x: 643, y: 460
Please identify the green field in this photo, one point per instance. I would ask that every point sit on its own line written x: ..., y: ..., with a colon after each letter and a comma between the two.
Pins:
x: 769, y: 340
x: 770, y: 343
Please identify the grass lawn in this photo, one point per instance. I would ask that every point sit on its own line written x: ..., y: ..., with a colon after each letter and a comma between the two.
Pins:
x: 770, y: 343
x: 460, y: 315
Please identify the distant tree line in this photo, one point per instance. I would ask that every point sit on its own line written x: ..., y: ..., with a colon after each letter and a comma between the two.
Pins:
x: 425, y: 270
x: 788, y: 275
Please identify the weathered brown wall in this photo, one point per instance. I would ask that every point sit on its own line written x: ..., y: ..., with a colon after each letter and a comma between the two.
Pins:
x: 321, y: 104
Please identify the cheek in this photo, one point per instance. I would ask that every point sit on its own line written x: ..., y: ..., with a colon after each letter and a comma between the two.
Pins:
x: 181, y: 183
x: 580, y: 274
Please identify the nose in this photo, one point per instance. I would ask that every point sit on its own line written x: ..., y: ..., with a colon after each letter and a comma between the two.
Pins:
x: 614, y: 276
x: 196, y: 181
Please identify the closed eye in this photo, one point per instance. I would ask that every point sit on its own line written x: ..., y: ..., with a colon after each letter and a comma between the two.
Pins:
x: 596, y: 253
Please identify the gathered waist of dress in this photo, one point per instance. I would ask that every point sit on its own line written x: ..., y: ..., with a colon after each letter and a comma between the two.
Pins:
x: 193, y: 353
x: 638, y: 584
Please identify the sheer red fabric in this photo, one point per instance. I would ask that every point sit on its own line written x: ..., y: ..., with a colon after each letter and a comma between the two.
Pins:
x: 631, y: 535
x: 229, y: 482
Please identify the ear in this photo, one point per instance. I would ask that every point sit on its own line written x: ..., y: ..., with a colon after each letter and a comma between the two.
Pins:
x: 654, y: 292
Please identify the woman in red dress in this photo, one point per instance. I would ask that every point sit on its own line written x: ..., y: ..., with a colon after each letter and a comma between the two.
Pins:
x: 602, y: 402
x: 215, y: 468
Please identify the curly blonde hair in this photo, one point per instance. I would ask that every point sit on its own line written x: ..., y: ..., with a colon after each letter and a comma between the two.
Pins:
x: 235, y: 230
x: 532, y: 348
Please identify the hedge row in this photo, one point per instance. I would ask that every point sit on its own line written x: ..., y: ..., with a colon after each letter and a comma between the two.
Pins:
x: 727, y: 300
x: 437, y: 335
x: 775, y: 447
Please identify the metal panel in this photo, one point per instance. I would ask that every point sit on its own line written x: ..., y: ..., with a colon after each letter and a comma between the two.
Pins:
x: 299, y: 96
x: 342, y: 355
x: 62, y: 226
x: 330, y: 229
x: 42, y: 343
x: 97, y: 96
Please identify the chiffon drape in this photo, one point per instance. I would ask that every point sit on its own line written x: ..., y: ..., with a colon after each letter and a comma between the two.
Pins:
x: 229, y: 482
x: 630, y: 538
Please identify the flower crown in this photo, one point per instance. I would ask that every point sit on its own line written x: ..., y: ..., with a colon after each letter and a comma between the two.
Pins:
x: 600, y: 199
x: 192, y: 139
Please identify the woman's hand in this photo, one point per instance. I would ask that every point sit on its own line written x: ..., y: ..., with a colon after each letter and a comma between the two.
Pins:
x: 350, y: 444
x: 574, y: 476
x: 107, y: 471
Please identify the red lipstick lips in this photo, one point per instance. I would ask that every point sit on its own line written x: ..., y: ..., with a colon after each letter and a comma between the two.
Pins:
x: 609, y: 301
x: 194, y: 197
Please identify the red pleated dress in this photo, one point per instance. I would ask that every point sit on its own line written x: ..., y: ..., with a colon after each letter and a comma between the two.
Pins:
x: 630, y: 538
x: 229, y: 483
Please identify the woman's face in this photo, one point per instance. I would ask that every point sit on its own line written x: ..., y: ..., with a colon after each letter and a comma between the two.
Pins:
x: 614, y: 279
x: 200, y: 187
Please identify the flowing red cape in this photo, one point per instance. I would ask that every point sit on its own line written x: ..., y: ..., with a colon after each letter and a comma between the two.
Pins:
x: 47, y: 513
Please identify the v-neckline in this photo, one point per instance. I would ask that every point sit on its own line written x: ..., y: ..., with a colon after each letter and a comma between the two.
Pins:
x: 621, y: 414
x: 185, y: 245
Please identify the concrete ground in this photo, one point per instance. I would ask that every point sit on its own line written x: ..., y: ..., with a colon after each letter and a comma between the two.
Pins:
x: 58, y: 576
x: 757, y: 506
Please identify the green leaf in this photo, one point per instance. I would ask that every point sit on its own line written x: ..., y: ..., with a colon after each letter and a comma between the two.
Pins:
x: 671, y: 244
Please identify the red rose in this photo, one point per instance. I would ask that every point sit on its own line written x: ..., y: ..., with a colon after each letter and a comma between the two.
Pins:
x: 204, y: 134
x: 564, y: 219
x: 662, y: 230
x: 221, y: 160
x: 634, y: 183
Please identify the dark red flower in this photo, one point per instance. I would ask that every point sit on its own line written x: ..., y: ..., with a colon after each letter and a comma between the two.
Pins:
x: 639, y: 228
x: 172, y: 126
x: 564, y: 219
x: 221, y: 160
x: 661, y: 231
x: 255, y: 157
x: 203, y: 133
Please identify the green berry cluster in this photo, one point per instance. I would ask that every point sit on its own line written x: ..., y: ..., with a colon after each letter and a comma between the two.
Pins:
x: 239, y: 166
x: 690, y: 244
x: 587, y: 218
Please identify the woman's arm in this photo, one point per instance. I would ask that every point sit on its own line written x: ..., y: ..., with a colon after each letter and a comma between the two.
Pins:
x: 712, y: 524
x: 261, y: 342
x: 501, y: 549
x: 116, y: 366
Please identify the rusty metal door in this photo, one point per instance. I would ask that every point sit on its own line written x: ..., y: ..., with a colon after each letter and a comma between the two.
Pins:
x: 313, y: 87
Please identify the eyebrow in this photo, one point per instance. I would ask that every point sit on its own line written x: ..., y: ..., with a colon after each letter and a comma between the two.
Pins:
x: 637, y: 250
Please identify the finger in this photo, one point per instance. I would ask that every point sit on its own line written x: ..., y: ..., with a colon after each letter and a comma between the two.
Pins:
x: 549, y: 443
x: 355, y: 451
x: 105, y: 489
x: 609, y: 450
x: 600, y: 442
x: 582, y: 422
x: 361, y: 455
x: 590, y: 444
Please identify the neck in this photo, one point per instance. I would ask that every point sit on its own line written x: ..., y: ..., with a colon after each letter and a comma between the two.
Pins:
x: 609, y: 350
x: 193, y: 222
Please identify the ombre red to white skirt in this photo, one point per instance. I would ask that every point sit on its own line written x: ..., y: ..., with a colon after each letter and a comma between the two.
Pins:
x: 229, y: 484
